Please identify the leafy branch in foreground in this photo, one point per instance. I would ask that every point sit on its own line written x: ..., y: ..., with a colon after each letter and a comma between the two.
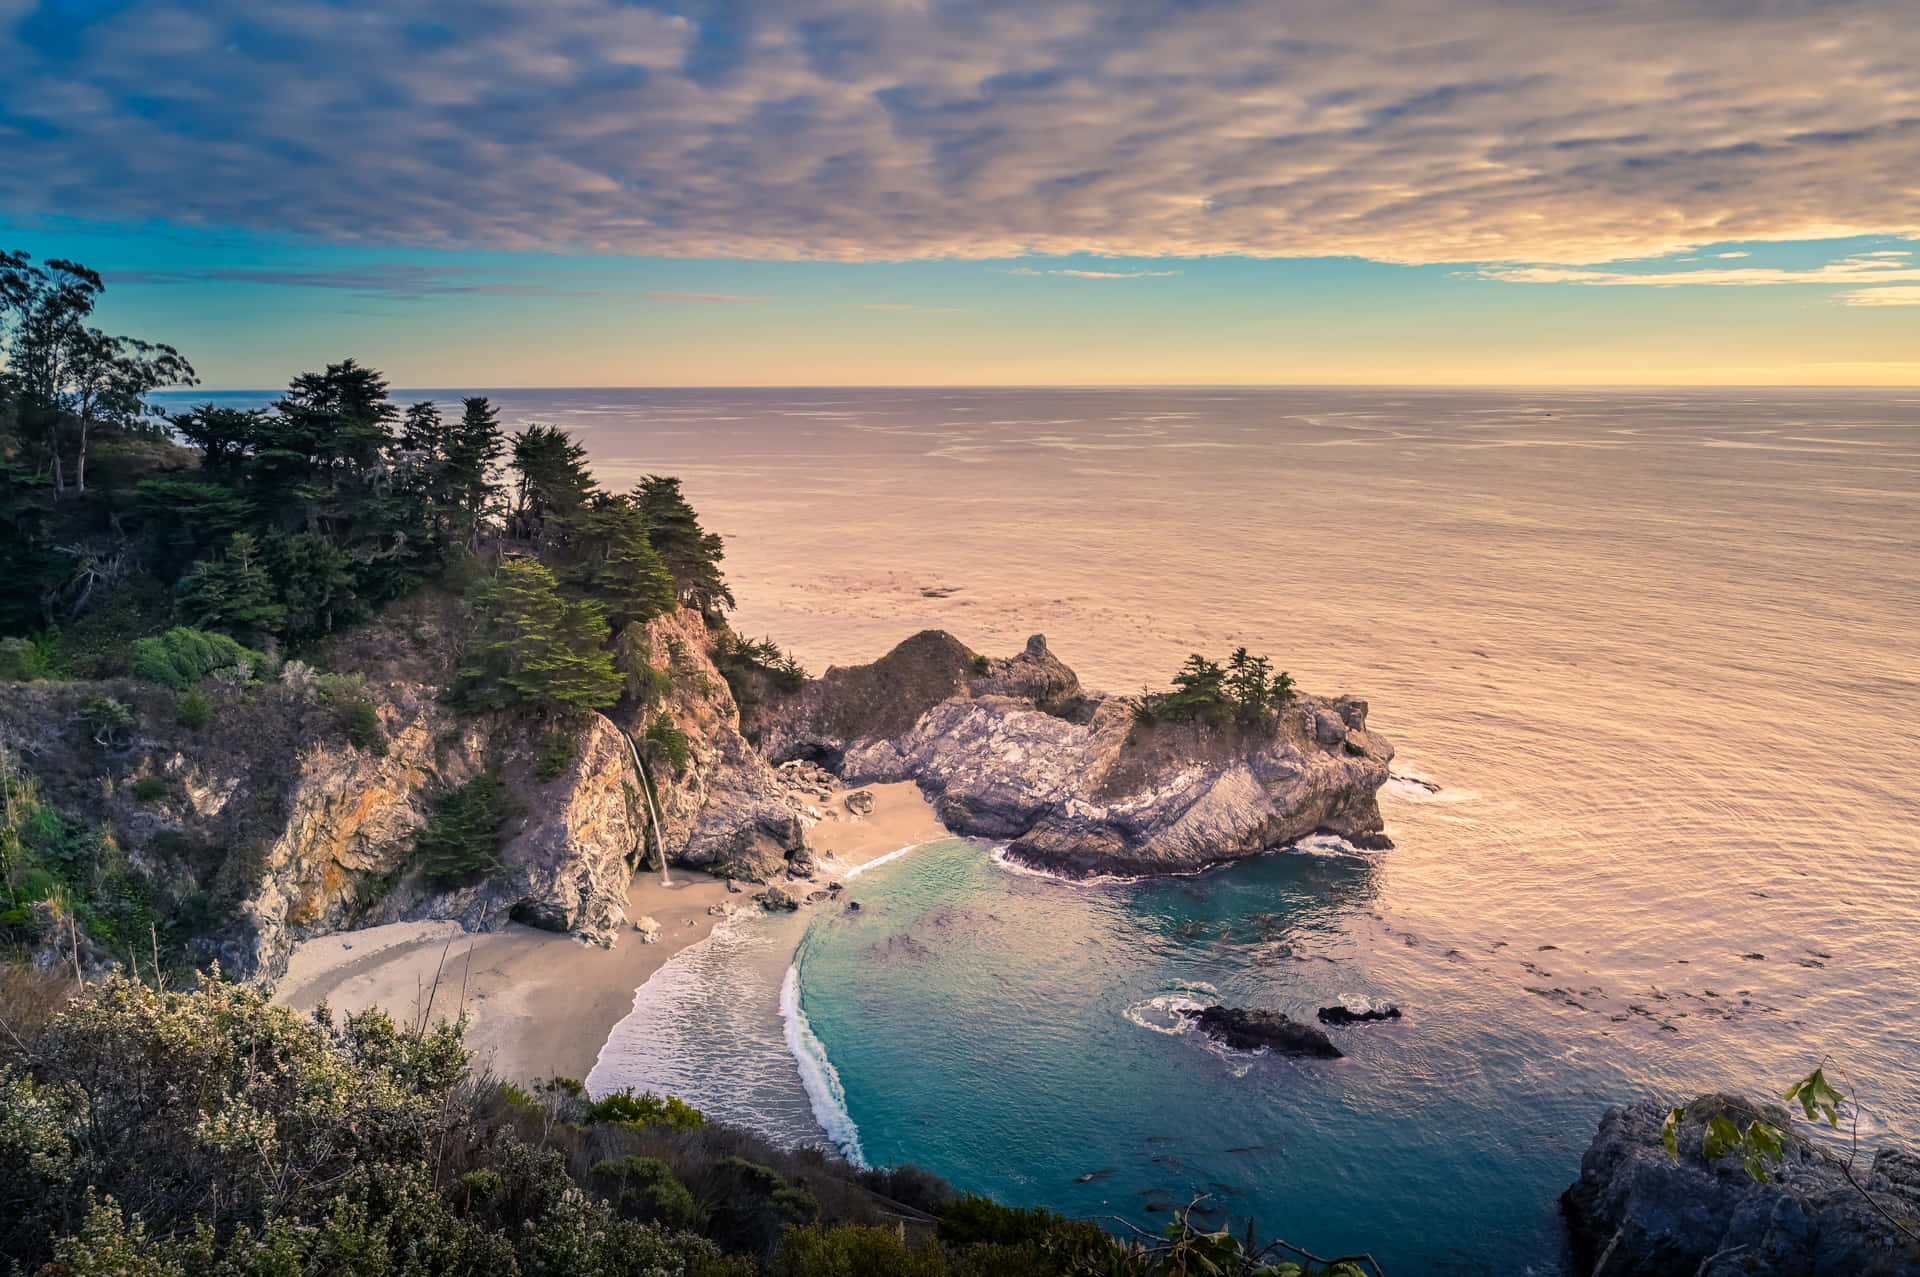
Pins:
x: 1761, y: 1145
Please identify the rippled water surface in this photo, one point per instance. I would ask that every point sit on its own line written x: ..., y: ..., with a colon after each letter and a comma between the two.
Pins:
x: 1658, y: 649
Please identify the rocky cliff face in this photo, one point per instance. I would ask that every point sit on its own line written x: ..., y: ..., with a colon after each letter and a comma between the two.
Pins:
x: 725, y: 811
x: 1015, y: 749
x: 1637, y: 1212
x: 281, y: 828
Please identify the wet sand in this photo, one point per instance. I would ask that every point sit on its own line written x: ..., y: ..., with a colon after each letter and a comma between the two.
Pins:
x: 541, y: 1003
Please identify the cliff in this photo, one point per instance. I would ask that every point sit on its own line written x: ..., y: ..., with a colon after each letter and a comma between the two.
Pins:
x: 280, y: 819
x: 1015, y: 749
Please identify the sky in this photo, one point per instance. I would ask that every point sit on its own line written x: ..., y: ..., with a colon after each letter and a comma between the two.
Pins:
x: 935, y: 192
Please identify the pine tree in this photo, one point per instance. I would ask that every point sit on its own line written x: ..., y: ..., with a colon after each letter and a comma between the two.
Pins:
x: 690, y: 553
x: 615, y: 563
x: 537, y: 648
x: 233, y: 593
x: 554, y: 481
x: 473, y: 448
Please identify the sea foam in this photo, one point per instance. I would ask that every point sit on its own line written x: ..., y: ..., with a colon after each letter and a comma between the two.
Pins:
x: 817, y: 1074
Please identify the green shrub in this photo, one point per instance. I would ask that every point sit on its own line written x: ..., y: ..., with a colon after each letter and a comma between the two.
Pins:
x: 1245, y: 691
x: 25, y: 659
x: 748, y: 1206
x: 182, y: 657
x: 461, y: 840
x: 108, y: 721
x: 645, y: 1188
x: 667, y: 741
x: 196, y: 709
x: 640, y: 1110
x: 981, y: 665
x: 362, y: 724
x: 852, y: 1250
x: 150, y: 789
x: 558, y: 749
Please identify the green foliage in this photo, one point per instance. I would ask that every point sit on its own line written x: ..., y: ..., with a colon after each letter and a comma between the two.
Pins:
x: 558, y: 749
x: 554, y: 484
x: 1244, y: 691
x: 666, y: 740
x: 25, y: 659
x: 233, y: 592
x: 981, y: 665
x: 1818, y: 1097
x: 749, y: 1206
x: 534, y: 648
x: 361, y: 721
x: 690, y: 553
x: 645, y: 1108
x: 646, y: 1189
x: 196, y: 709
x: 743, y: 661
x: 614, y: 563
x: 108, y: 721
x: 150, y: 789
x: 461, y: 839
x: 182, y: 657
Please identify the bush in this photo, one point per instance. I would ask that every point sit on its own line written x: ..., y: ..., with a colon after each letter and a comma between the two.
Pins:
x: 182, y: 657
x: 558, y: 749
x: 640, y: 1110
x: 196, y: 709
x: 1243, y: 691
x: 150, y: 789
x: 362, y: 724
x: 25, y: 659
x: 981, y: 665
x: 108, y: 721
x: 461, y: 840
x: 644, y: 1188
x: 748, y: 1206
x: 669, y: 742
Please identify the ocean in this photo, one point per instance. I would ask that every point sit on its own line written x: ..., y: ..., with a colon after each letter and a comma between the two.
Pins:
x: 1659, y: 651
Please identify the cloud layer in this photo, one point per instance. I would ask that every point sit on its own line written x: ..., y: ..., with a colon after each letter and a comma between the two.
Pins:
x: 1544, y: 131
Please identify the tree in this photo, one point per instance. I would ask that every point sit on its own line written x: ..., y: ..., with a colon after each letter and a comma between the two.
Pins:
x: 536, y: 648
x: 554, y: 482
x: 616, y: 564
x: 70, y: 377
x: 224, y: 435
x: 233, y: 593
x: 692, y: 554
x: 473, y: 449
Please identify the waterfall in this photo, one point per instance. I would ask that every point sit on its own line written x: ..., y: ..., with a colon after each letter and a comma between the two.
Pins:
x: 653, y: 808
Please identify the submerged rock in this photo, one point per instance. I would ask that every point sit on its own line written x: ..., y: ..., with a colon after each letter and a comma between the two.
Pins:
x: 1638, y: 1212
x: 1252, y: 1030
x: 1021, y: 752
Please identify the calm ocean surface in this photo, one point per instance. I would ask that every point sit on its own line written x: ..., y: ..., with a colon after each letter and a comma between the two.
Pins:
x: 1661, y: 651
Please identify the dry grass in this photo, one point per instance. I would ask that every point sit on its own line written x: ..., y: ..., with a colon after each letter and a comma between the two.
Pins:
x: 28, y: 999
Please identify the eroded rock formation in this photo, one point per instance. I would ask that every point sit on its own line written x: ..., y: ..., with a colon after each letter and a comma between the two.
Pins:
x: 1016, y: 749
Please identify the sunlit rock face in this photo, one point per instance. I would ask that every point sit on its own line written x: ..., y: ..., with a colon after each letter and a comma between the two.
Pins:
x: 1016, y: 749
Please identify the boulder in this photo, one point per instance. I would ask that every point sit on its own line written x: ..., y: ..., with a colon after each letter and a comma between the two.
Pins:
x: 776, y: 898
x: 860, y: 802
x: 648, y: 928
x: 1636, y: 1211
x: 1254, y: 1030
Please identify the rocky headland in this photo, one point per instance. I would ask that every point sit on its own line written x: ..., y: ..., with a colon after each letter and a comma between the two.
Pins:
x: 1014, y: 748
x: 1637, y: 1211
x: 290, y: 826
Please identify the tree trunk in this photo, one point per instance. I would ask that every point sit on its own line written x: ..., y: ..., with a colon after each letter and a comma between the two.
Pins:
x: 80, y: 463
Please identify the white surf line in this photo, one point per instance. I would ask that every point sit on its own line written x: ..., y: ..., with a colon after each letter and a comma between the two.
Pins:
x: 817, y: 1074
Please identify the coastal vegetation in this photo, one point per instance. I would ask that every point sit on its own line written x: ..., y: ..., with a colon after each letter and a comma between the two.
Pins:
x: 147, y: 1132
x: 1243, y: 691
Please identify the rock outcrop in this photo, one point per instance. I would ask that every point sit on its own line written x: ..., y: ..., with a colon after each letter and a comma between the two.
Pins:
x: 1364, y: 1015
x: 724, y: 811
x: 1260, y: 1030
x: 1638, y: 1212
x: 1016, y: 749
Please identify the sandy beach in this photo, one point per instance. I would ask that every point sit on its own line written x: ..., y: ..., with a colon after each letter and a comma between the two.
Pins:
x: 542, y: 1003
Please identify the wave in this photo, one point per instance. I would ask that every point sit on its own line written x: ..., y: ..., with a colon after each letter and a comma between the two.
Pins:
x: 854, y: 871
x: 1161, y: 1013
x: 817, y: 1074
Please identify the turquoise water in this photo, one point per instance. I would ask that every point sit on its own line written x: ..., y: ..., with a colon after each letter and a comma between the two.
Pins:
x: 1016, y: 1034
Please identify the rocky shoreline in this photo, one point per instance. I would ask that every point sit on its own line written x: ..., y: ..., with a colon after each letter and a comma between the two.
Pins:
x: 313, y: 831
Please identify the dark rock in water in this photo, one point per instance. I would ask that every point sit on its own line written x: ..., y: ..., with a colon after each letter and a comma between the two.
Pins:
x: 853, y: 906
x: 776, y: 898
x: 1637, y: 1212
x: 1347, y: 1015
x: 1370, y: 841
x: 1245, y: 1030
